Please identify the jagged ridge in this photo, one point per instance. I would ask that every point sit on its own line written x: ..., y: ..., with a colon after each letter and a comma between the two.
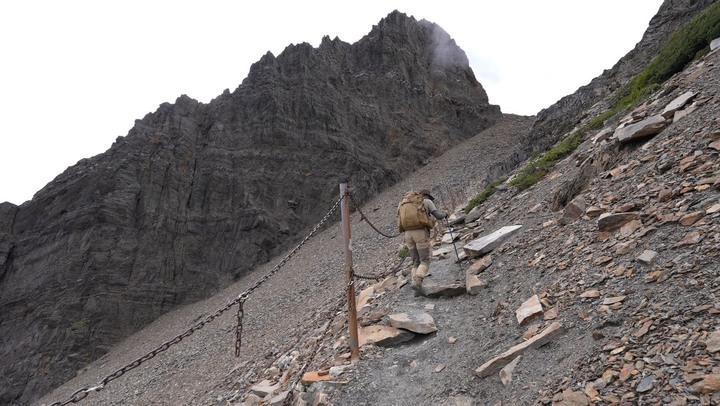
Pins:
x: 198, y: 194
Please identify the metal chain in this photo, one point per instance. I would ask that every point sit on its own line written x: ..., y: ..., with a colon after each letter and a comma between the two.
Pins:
x: 392, y: 271
x: 295, y: 250
x: 291, y: 395
x: 364, y: 217
x: 80, y: 394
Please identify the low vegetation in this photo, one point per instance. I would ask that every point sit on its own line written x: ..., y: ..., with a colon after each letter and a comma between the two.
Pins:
x: 403, y: 251
x: 539, y: 166
x: 691, y: 42
x: 598, y: 122
x: 484, y: 195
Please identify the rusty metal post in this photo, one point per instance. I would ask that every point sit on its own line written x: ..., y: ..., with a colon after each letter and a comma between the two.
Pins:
x: 349, y: 280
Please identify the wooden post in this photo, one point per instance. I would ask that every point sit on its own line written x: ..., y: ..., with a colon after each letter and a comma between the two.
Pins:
x: 352, y: 311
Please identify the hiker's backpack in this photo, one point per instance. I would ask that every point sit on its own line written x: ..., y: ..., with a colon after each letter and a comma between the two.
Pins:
x: 412, y: 214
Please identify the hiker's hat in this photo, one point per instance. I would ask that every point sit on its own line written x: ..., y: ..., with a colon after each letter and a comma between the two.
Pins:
x: 426, y: 192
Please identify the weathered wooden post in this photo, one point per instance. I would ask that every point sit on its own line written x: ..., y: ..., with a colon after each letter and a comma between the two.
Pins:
x: 349, y: 280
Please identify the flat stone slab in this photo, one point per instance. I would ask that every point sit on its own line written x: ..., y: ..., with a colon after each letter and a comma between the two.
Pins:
x: 506, y: 372
x: 613, y: 221
x: 554, y: 330
x: 529, y: 310
x: 570, y: 397
x: 446, y: 279
x: 573, y: 210
x: 314, y: 376
x: 712, y: 343
x: 480, y: 265
x: 677, y: 104
x: 602, y: 135
x: 715, y: 44
x: 709, y: 384
x: 417, y: 322
x: 482, y: 245
x: 647, y: 256
x: 448, y: 238
x: 383, y: 336
x: 364, y: 297
x: 437, y: 289
x: 280, y: 398
x: 460, y: 219
x: 264, y: 388
x: 386, y: 284
x: 645, y: 128
x: 442, y: 251
x: 473, y: 284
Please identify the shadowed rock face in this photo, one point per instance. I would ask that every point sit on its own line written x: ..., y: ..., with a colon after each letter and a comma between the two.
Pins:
x: 197, y: 194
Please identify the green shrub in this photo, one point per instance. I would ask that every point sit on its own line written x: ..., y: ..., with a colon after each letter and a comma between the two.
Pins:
x: 540, y: 166
x: 527, y: 177
x: 598, y: 122
x: 563, y: 149
x: 403, y: 251
x: 484, y: 195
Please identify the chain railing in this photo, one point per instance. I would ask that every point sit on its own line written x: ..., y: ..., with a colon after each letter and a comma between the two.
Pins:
x: 291, y: 396
x: 364, y: 217
x: 80, y: 394
x: 318, y: 345
x: 383, y: 275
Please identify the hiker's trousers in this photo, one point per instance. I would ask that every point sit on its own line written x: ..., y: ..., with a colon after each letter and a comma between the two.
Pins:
x: 418, y: 243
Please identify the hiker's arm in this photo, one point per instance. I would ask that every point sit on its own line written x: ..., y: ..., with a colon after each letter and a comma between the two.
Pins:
x: 438, y: 214
x: 430, y: 206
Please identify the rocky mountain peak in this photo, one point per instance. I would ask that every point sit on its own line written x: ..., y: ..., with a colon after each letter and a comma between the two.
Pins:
x: 601, y: 277
x: 196, y: 195
x: 398, y: 28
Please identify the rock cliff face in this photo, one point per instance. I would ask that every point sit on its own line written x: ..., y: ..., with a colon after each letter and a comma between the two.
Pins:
x: 555, y: 121
x: 197, y: 194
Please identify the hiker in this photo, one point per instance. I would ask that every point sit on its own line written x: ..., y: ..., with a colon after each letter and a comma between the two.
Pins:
x: 416, y: 217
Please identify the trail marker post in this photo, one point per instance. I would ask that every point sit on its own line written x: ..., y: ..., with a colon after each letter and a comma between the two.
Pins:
x: 349, y: 279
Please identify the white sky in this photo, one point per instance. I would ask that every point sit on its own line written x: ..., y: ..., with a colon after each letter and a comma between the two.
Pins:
x: 74, y: 74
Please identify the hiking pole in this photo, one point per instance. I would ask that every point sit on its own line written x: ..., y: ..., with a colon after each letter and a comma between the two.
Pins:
x: 452, y: 238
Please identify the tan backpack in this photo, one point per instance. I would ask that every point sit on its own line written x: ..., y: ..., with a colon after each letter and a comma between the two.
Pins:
x: 412, y: 214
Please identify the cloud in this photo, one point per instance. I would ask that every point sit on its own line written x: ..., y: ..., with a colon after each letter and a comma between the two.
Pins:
x: 446, y: 52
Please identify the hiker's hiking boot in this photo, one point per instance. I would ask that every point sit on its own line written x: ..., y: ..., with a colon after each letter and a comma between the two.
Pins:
x: 416, y: 285
x: 422, y: 271
x: 417, y: 278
